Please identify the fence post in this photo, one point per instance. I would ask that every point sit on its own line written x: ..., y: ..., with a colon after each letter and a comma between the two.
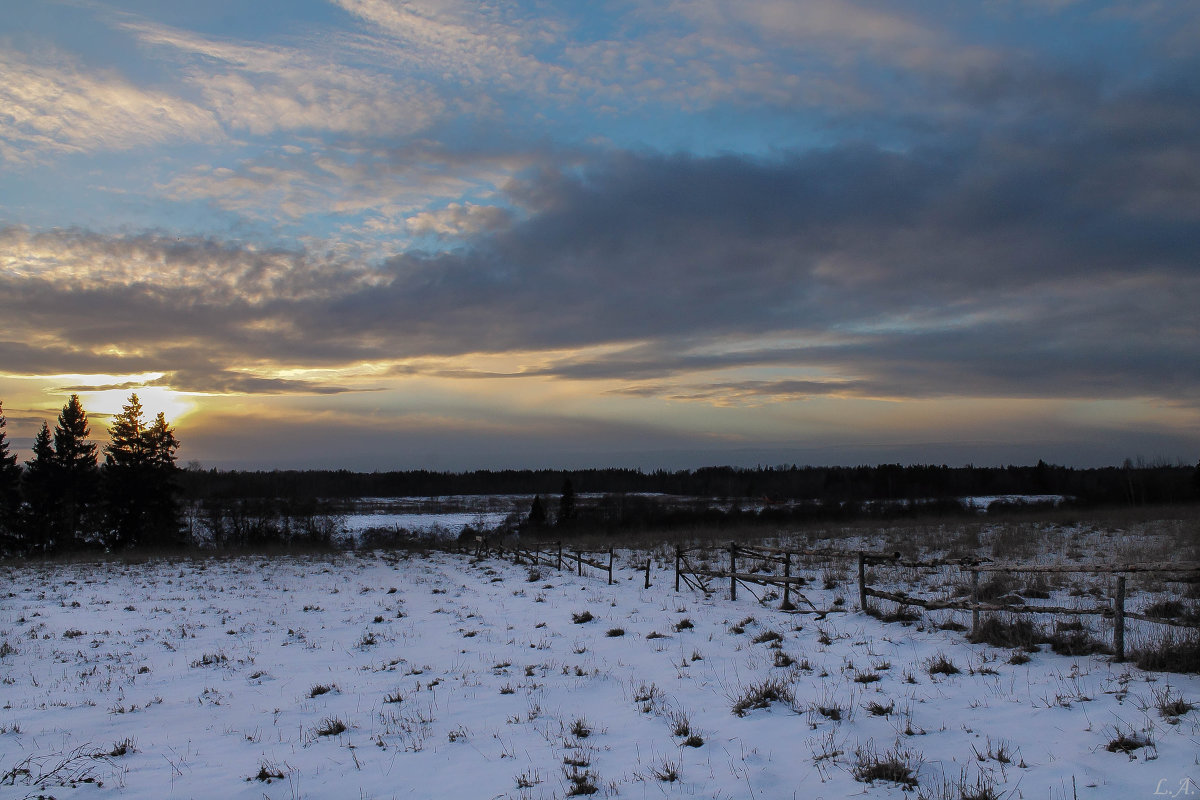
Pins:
x: 733, y: 571
x: 974, y: 603
x: 560, y: 555
x: 610, y: 556
x: 1119, y: 621
x: 787, y: 582
x: 678, y: 558
x: 862, y: 582
x: 579, y: 563
x: 647, y: 572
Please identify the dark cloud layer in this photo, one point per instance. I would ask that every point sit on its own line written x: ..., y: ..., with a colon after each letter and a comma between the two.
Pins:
x: 1055, y: 254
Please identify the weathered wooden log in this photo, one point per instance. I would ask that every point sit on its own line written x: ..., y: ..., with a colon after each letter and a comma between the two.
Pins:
x: 959, y: 605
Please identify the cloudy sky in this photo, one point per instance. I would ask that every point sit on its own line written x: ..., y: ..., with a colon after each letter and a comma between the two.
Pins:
x: 446, y: 234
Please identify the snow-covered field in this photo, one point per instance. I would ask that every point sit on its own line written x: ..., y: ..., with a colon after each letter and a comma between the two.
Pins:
x: 451, y: 522
x: 380, y: 675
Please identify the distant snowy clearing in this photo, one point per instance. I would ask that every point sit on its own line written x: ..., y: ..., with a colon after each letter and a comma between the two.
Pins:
x: 379, y: 675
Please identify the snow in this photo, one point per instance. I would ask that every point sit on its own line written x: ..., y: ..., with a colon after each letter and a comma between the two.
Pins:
x: 982, y: 503
x: 453, y: 522
x: 213, y: 667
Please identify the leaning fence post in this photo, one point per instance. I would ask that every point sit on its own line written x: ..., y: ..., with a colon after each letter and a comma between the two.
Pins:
x: 647, y: 572
x: 610, y: 556
x: 974, y: 603
x: 733, y: 571
x: 560, y: 555
x: 787, y: 580
x: 678, y: 558
x: 862, y: 582
x: 1119, y: 621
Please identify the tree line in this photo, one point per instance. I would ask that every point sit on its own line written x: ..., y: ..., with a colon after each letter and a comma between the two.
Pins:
x: 65, y: 498
x: 1134, y: 483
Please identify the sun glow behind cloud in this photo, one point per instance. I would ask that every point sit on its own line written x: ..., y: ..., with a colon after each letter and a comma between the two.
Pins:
x: 154, y: 399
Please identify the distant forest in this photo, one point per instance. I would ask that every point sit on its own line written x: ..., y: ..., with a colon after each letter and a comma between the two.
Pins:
x: 66, y: 497
x: 1131, y: 484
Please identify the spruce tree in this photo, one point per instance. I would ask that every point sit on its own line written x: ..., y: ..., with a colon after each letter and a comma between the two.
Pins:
x: 10, y: 484
x: 126, y: 471
x: 139, y: 490
x: 161, y: 446
x: 537, y: 513
x: 566, y: 503
x: 39, y: 485
x: 77, y: 478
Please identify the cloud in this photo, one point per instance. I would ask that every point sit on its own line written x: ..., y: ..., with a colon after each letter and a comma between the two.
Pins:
x: 459, y: 219
x: 1035, y: 259
x: 388, y: 186
x: 261, y: 89
x: 52, y: 104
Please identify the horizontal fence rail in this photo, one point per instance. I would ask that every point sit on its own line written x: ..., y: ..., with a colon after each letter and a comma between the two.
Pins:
x: 1116, y: 611
x: 700, y: 578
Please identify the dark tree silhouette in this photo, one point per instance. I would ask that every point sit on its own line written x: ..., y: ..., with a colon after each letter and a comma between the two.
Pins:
x: 139, y: 496
x: 162, y: 490
x: 77, y: 474
x: 537, y: 513
x: 10, y: 485
x: 566, y: 503
x: 39, y: 486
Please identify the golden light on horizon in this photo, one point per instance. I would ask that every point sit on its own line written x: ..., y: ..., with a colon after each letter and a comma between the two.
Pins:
x: 154, y: 399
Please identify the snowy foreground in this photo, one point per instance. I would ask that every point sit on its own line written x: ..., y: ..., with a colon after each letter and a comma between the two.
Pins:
x: 387, y: 676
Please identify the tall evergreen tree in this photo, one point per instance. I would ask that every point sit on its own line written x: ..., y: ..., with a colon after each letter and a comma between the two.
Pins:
x: 162, y: 490
x: 566, y: 503
x: 139, y: 490
x: 39, y: 484
x: 10, y: 485
x: 126, y: 469
x: 77, y: 478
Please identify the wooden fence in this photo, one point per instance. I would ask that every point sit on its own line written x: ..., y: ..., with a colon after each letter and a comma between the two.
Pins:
x: 552, y: 554
x: 1182, y: 571
x: 700, y: 577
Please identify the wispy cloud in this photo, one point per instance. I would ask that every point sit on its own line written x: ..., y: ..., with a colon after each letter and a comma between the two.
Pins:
x: 52, y: 104
x: 260, y: 89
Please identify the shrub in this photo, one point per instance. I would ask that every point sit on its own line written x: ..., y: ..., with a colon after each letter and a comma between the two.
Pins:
x: 761, y: 695
x: 1170, y: 652
x: 330, y: 726
x: 896, y: 766
x: 901, y: 613
x: 210, y: 659
x: 942, y: 665
x: 267, y: 772
x: 1073, y: 639
x: 998, y: 633
x: 879, y: 709
x: 1127, y: 742
x: 582, y: 617
x: 614, y: 632
x: 1171, y: 706
x: 583, y: 782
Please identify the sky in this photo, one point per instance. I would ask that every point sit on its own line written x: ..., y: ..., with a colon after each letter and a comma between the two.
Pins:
x: 378, y: 234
